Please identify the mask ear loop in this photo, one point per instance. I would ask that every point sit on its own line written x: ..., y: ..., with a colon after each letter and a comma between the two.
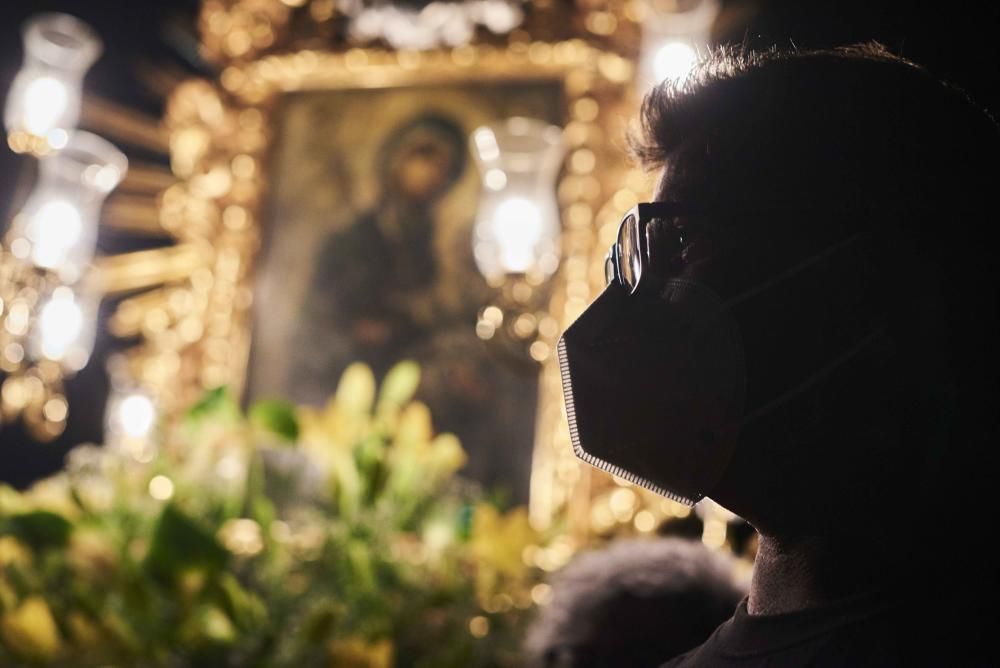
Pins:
x: 827, y: 369
x: 817, y: 376
x: 795, y: 269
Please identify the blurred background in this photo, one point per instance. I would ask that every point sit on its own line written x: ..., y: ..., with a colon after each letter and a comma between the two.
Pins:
x: 151, y: 46
x: 312, y: 323
x: 139, y: 39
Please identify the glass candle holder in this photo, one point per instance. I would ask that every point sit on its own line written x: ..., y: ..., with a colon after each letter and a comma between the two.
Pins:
x: 517, y: 226
x: 131, y: 414
x: 57, y: 228
x: 131, y: 418
x: 64, y: 328
x: 44, y: 100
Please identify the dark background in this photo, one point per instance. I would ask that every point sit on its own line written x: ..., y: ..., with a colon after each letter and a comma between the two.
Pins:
x: 958, y: 41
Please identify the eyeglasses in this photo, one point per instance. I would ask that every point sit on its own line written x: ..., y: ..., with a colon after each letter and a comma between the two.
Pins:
x: 628, y: 260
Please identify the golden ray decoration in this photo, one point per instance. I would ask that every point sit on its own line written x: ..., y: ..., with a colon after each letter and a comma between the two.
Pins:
x: 122, y: 124
x: 137, y: 214
x: 143, y: 269
x: 146, y: 179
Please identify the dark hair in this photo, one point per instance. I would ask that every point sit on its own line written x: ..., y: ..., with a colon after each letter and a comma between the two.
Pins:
x: 791, y: 152
x: 854, y: 130
x: 634, y: 603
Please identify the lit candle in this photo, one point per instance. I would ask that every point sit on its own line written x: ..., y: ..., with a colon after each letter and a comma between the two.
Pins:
x: 517, y: 226
x: 674, y: 60
x: 131, y: 414
x: 57, y: 228
x: 65, y: 328
x: 671, y: 40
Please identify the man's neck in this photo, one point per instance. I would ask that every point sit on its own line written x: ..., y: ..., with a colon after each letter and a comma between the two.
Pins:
x: 791, y: 575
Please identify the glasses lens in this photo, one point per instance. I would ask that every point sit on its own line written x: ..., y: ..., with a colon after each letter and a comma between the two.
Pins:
x: 609, y: 267
x: 629, y: 261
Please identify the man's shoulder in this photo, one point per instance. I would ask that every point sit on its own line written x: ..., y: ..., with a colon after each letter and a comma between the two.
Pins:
x: 889, y: 635
x: 684, y: 659
x: 706, y: 654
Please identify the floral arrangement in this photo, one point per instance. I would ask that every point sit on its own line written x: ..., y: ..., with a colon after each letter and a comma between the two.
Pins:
x: 280, y: 537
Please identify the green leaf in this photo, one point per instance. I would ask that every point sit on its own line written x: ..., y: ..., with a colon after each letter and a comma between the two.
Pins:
x: 206, y: 631
x: 262, y: 511
x: 465, y: 514
x: 369, y: 458
x: 242, y: 606
x: 40, y: 528
x: 276, y: 417
x: 359, y: 557
x: 179, y: 543
x: 214, y: 403
x: 320, y: 623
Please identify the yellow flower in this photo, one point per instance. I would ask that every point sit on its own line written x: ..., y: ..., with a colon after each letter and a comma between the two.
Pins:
x: 207, y: 624
x: 446, y: 456
x: 90, y: 554
x: 241, y: 536
x: 498, y: 541
x: 415, y: 437
x: 84, y: 632
x: 345, y: 419
x: 54, y: 495
x: 215, y: 625
x: 311, y: 428
x: 414, y: 429
x: 400, y: 384
x: 359, y: 653
x: 12, y: 502
x: 192, y: 581
x: 398, y: 388
x: 29, y: 631
x: 13, y: 552
x: 356, y: 389
x: 8, y: 597
x: 419, y: 459
x: 325, y: 436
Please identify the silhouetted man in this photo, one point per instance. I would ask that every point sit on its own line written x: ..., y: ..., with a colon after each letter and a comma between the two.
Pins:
x: 803, y: 326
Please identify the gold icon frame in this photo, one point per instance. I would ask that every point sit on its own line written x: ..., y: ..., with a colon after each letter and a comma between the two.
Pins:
x: 190, y: 303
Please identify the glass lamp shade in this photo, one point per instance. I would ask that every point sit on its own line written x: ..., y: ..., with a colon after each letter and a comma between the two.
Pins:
x: 64, y: 328
x: 131, y: 418
x: 44, y: 100
x: 517, y: 224
x: 57, y: 228
x: 131, y: 414
x: 672, y: 38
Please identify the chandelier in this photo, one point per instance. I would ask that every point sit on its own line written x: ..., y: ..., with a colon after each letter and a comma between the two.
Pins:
x: 48, y: 295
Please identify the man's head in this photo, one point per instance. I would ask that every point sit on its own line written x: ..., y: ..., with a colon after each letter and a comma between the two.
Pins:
x: 839, y: 204
x: 864, y: 371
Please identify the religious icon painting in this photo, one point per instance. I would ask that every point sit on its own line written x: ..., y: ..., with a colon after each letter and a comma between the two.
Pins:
x: 367, y: 256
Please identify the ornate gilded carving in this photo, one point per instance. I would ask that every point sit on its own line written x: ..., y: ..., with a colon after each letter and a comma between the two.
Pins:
x: 195, y: 330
